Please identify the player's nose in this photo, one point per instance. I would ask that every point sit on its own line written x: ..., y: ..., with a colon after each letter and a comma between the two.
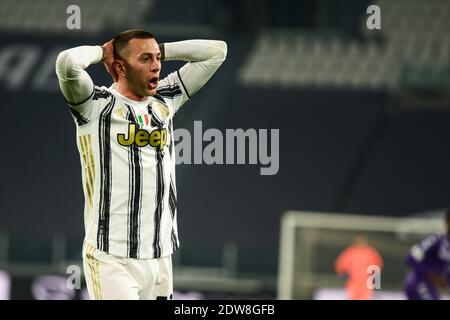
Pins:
x: 155, y: 66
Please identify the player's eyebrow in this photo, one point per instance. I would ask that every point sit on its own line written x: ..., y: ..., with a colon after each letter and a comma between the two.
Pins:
x: 149, y: 54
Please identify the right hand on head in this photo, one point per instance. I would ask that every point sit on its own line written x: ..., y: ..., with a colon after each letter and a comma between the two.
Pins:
x: 108, y: 59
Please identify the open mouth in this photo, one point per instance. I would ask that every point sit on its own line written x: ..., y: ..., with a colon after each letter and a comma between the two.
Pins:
x: 153, y: 82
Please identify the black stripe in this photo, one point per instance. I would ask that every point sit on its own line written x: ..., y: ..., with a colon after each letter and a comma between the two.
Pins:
x: 158, y: 121
x: 172, y: 201
x: 172, y: 141
x: 182, y: 83
x: 159, y: 204
x: 157, y: 96
x: 105, y: 180
x: 172, y: 194
x: 171, y: 94
x: 130, y: 188
x: 130, y: 183
x: 101, y: 94
x: 79, y: 103
x: 169, y: 89
x: 78, y: 117
x: 174, y: 240
x: 168, y: 86
x: 173, y: 210
x: 154, y: 119
x: 135, y: 192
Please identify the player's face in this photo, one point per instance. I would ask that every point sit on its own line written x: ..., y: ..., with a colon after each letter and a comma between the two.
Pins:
x: 143, y: 64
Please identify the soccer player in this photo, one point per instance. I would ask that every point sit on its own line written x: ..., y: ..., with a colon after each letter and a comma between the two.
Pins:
x: 126, y: 144
x: 430, y: 264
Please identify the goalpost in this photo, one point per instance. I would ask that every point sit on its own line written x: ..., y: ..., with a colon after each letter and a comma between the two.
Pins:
x: 311, y: 241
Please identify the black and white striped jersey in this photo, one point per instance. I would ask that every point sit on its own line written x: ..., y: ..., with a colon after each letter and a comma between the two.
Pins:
x: 127, y: 151
x: 128, y: 168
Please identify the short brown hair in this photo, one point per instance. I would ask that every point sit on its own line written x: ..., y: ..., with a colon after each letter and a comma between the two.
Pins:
x: 121, y: 40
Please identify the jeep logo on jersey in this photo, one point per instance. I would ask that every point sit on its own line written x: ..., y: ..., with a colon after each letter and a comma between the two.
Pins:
x: 141, y: 138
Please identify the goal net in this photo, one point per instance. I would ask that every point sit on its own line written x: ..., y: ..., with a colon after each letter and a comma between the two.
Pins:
x: 310, y: 242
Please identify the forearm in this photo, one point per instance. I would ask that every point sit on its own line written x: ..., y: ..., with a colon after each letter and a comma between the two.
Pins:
x: 74, y: 81
x: 195, y: 50
x: 204, y: 57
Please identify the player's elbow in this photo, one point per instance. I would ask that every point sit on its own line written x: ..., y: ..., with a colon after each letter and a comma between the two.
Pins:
x: 223, y: 49
x: 220, y: 50
x: 63, y: 64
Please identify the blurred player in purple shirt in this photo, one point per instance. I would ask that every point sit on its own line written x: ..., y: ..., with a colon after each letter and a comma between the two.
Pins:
x: 430, y: 264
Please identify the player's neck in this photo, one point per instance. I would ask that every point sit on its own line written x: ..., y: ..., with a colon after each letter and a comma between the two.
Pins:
x: 124, y: 90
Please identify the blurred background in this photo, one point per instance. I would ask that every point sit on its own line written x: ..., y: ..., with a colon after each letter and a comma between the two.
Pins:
x: 363, y: 116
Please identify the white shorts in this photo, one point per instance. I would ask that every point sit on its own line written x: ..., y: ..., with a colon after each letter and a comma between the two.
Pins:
x: 109, y: 277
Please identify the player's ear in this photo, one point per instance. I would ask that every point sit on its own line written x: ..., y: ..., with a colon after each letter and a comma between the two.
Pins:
x: 119, y: 67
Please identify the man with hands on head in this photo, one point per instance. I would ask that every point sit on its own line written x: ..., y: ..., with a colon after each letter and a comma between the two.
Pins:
x: 126, y: 145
